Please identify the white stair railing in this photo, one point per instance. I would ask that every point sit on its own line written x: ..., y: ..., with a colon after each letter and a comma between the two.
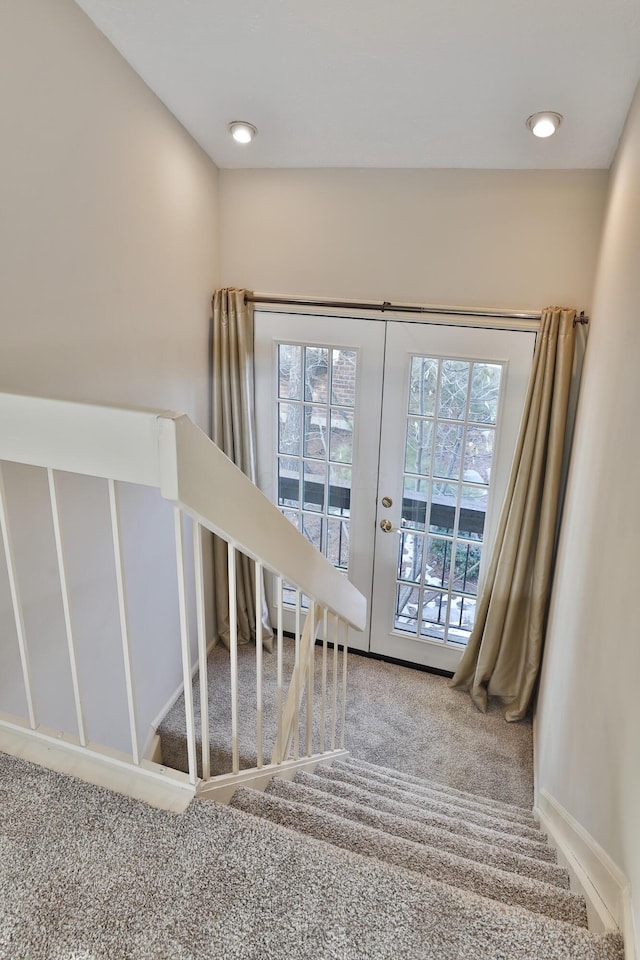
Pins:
x: 167, y: 451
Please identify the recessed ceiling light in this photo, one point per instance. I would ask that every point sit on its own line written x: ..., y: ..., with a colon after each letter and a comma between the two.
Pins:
x: 241, y: 131
x: 544, y: 124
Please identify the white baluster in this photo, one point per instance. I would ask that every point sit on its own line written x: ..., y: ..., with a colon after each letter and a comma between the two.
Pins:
x: 296, y: 714
x: 124, y: 619
x: 310, y: 676
x: 233, y: 652
x: 344, y: 682
x: 203, y: 666
x: 279, y: 670
x: 258, y: 576
x: 334, y: 703
x: 66, y: 607
x: 323, y: 704
x: 185, y: 646
x: 17, y: 604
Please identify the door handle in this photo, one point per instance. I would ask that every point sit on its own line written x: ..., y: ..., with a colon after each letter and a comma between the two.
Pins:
x: 387, y: 527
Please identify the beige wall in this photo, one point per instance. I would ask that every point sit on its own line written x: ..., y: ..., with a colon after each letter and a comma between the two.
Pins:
x: 108, y: 258
x: 511, y: 239
x: 108, y: 231
x: 588, y: 724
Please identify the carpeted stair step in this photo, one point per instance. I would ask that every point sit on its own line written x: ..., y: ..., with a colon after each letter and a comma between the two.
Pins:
x: 495, y: 856
x: 88, y: 873
x: 446, y: 807
x: 297, y: 897
x: 448, y: 868
x: 405, y: 914
x: 436, y: 784
x: 459, y: 806
x: 455, y: 825
x: 462, y: 797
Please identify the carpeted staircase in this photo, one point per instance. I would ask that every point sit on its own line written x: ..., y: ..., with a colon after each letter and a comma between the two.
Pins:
x: 382, y: 864
x: 355, y: 862
x: 494, y: 882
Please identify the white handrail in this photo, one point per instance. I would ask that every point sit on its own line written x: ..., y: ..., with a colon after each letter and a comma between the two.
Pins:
x: 166, y: 450
x: 236, y: 509
x: 95, y: 440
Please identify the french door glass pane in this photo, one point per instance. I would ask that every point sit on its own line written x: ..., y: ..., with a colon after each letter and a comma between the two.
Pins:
x: 473, y: 509
x: 338, y: 542
x: 288, y: 482
x: 316, y: 372
x: 448, y: 450
x: 341, y: 442
x: 289, y: 428
x: 316, y: 389
x: 454, y: 384
x: 289, y: 371
x: 485, y: 392
x: 442, y: 508
x: 410, y: 560
x: 418, y: 447
x: 422, y: 386
x: 478, y: 453
x: 414, y: 500
x: 339, y: 490
x: 449, y: 445
x: 407, y: 604
x: 343, y: 377
x: 315, y: 476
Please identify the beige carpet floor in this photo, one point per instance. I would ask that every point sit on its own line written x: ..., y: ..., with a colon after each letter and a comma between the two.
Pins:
x: 396, y: 716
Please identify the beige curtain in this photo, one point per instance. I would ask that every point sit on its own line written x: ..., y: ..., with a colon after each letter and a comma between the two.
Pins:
x: 233, y: 430
x: 504, y: 652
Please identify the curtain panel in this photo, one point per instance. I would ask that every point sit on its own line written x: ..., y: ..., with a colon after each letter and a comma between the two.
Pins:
x: 504, y: 652
x: 234, y: 431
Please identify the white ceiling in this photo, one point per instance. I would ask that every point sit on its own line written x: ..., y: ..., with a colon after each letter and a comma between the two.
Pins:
x: 387, y: 83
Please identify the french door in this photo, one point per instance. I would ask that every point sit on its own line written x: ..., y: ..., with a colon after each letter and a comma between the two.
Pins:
x: 389, y: 445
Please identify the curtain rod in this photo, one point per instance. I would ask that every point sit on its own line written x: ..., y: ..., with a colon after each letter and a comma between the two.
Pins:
x: 400, y: 308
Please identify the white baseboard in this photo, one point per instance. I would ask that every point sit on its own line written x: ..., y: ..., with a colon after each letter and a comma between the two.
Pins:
x: 604, y: 885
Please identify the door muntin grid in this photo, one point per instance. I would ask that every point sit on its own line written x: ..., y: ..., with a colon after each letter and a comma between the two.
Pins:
x: 451, y: 420
x: 316, y: 394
